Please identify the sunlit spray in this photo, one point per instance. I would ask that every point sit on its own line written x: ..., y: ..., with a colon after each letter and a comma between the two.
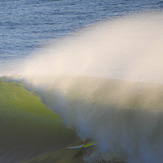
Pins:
x: 106, y: 82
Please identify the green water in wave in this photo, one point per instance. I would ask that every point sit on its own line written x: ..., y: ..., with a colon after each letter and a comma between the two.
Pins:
x: 27, y: 127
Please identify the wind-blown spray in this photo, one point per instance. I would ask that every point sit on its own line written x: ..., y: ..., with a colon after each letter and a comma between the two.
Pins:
x: 124, y: 116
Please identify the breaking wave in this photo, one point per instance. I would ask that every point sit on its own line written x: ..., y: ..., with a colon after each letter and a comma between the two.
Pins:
x: 106, y: 82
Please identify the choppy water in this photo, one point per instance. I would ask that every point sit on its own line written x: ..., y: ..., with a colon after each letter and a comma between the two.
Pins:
x: 124, y: 117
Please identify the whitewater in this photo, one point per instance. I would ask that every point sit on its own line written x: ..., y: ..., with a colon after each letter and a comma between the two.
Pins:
x: 105, y: 82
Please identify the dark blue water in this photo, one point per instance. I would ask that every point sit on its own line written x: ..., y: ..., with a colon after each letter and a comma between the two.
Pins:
x: 27, y: 25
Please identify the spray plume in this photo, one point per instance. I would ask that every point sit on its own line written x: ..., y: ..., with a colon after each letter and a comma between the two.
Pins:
x: 123, y: 114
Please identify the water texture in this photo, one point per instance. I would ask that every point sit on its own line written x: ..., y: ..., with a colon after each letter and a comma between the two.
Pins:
x: 81, y: 70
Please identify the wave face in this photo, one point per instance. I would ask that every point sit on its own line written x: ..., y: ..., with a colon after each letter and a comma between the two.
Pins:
x: 124, y: 115
x: 27, y: 127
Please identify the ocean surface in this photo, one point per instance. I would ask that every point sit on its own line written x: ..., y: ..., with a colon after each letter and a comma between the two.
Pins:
x: 27, y: 25
x: 73, y: 71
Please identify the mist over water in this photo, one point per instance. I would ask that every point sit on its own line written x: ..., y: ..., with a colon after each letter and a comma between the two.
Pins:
x: 123, y: 114
x: 127, y: 47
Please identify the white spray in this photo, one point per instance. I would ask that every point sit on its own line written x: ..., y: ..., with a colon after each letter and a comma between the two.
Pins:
x: 124, y: 117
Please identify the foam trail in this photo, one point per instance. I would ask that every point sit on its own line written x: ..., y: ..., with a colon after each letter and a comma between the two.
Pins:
x: 124, y: 117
